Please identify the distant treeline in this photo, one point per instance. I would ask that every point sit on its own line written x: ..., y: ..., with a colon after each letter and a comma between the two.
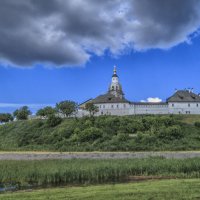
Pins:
x: 64, y: 108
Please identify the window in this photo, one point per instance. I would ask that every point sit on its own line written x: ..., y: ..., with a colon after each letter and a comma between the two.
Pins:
x: 188, y: 104
x: 103, y: 106
x: 197, y: 105
x: 113, y: 88
x: 124, y: 105
x: 112, y: 106
x: 172, y: 105
x: 116, y: 88
x: 117, y: 106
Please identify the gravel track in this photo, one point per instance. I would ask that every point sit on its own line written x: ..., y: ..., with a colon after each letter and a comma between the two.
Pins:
x: 94, y: 155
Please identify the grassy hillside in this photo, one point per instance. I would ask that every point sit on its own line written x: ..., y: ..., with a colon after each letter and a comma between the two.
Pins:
x: 157, y: 190
x: 106, y: 133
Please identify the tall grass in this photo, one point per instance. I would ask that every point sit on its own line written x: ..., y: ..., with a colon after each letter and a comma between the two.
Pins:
x: 79, y: 171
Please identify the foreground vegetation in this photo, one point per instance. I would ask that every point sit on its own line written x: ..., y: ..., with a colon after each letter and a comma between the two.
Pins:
x: 157, y: 190
x: 104, y: 133
x: 83, y: 171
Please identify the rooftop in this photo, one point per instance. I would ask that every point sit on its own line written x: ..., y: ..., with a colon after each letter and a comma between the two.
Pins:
x: 184, y: 96
x: 109, y: 98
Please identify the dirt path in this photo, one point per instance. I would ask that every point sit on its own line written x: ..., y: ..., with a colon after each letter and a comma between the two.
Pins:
x: 94, y: 155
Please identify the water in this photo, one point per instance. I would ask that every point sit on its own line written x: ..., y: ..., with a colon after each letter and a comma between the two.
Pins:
x: 9, y: 188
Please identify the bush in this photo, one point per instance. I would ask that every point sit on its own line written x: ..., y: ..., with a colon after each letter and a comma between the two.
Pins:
x: 197, y: 124
x: 90, y: 134
x: 53, y: 121
x: 170, y: 133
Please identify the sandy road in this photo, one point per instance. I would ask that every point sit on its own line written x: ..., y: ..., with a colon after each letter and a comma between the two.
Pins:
x: 94, y: 155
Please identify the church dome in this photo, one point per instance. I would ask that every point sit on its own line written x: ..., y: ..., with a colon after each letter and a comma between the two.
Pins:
x: 115, y: 87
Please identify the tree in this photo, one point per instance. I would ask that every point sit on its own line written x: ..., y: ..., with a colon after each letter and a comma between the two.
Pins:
x: 67, y: 108
x: 46, y: 112
x: 91, y: 108
x: 22, y: 113
x: 5, y: 117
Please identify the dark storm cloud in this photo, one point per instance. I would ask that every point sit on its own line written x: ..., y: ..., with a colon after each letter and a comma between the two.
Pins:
x: 164, y: 23
x: 61, y: 32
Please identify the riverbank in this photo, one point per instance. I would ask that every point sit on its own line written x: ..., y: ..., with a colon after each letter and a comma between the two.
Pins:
x: 154, y: 189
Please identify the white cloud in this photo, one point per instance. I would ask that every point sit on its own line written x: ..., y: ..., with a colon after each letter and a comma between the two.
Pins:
x: 152, y: 100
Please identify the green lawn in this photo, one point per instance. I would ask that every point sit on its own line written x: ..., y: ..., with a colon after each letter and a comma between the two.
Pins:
x: 163, y: 189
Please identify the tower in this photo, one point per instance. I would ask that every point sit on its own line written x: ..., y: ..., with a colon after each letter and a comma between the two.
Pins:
x: 115, y: 87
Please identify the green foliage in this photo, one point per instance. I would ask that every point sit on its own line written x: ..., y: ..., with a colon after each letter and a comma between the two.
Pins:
x: 197, y: 124
x: 173, y: 189
x: 91, y: 108
x: 67, y: 108
x: 22, y: 113
x: 80, y: 171
x: 46, y: 112
x: 90, y: 134
x: 171, y: 133
x: 53, y: 121
x: 104, y: 133
x: 5, y: 117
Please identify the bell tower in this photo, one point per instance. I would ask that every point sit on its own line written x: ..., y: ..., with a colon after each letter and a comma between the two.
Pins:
x: 115, y: 87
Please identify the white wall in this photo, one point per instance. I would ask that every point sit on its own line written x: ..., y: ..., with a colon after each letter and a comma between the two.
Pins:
x: 184, y: 108
x: 113, y: 109
x: 138, y: 109
x: 151, y: 109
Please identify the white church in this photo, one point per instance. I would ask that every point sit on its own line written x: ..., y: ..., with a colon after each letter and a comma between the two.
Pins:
x: 114, y: 103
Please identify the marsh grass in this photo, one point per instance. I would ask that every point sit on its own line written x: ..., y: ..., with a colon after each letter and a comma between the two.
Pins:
x: 84, y: 171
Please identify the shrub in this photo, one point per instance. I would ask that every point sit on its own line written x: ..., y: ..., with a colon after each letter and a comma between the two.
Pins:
x: 197, y: 124
x: 170, y: 133
x: 90, y: 134
x: 53, y: 121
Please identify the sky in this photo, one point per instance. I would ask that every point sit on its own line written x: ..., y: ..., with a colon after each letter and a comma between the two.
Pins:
x: 54, y: 50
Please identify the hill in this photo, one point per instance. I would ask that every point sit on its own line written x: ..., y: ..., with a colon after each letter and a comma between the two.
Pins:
x: 105, y: 133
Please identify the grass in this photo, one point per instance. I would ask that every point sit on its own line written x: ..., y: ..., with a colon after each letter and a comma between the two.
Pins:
x: 105, y: 133
x: 190, y: 119
x: 155, y: 190
x: 85, y: 171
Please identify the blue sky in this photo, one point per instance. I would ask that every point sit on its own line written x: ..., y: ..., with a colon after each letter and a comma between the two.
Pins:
x: 145, y: 69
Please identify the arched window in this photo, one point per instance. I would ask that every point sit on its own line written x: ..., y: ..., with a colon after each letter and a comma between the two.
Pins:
x: 113, y: 87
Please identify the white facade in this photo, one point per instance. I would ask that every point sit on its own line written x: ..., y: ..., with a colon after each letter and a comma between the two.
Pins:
x: 114, y: 103
x: 147, y: 109
x: 184, y: 107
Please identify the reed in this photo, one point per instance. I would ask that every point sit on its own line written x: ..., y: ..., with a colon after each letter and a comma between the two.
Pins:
x: 85, y: 171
